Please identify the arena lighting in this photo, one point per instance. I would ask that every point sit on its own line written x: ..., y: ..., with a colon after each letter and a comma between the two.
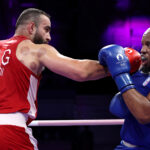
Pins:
x: 127, y: 32
x: 123, y: 5
x: 28, y: 5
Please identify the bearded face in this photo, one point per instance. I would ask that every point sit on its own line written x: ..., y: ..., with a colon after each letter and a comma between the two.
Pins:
x: 38, y: 38
x: 42, y: 30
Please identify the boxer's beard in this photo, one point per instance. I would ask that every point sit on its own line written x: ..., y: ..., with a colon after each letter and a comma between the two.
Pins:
x: 145, y: 69
x: 38, y: 39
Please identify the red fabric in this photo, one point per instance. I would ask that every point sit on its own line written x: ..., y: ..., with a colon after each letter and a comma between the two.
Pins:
x: 14, y: 138
x: 14, y: 79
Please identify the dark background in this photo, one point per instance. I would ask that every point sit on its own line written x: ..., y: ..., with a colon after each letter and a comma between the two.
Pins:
x: 79, y: 29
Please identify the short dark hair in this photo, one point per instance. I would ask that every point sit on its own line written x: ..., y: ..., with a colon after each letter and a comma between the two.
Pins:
x: 32, y: 14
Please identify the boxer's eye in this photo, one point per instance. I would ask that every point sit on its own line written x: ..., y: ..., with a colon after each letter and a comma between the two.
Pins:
x: 47, y: 29
x: 148, y: 44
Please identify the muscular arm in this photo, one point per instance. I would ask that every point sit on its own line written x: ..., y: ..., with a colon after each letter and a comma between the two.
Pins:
x: 75, y: 69
x: 138, y: 105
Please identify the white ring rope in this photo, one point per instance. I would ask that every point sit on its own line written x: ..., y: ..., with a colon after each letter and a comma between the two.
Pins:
x: 93, y: 122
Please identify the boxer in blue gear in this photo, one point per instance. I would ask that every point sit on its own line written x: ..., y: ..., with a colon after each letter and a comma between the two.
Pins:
x: 117, y: 105
x: 132, y: 131
x: 135, y: 132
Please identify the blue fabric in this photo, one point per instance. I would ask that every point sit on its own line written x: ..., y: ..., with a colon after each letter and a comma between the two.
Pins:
x: 123, y: 147
x: 132, y: 131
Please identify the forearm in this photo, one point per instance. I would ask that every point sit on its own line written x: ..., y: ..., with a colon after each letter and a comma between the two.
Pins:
x: 75, y: 69
x: 138, y: 105
x: 93, y: 70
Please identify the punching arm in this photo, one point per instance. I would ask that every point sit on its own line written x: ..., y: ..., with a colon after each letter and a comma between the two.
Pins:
x: 75, y: 69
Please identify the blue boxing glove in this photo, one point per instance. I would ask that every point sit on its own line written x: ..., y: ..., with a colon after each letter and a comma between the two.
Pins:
x: 118, y: 107
x: 113, y: 56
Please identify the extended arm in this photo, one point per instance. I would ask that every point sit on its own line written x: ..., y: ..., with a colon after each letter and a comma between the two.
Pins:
x: 75, y: 69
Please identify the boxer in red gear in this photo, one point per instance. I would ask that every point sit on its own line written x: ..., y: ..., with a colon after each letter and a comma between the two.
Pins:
x: 22, y: 59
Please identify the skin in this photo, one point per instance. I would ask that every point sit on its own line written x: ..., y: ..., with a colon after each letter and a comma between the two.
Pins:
x: 138, y: 104
x: 36, y: 56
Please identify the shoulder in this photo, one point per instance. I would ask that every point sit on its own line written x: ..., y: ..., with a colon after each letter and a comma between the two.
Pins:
x: 38, y: 49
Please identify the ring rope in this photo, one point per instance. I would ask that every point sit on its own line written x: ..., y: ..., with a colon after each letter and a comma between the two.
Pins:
x: 93, y: 122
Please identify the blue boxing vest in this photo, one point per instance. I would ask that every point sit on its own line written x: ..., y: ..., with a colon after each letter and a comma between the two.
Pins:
x: 132, y: 131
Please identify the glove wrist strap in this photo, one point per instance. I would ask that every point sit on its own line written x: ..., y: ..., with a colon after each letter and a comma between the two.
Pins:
x: 124, y: 82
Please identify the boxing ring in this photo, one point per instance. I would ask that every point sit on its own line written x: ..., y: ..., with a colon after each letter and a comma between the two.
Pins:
x: 90, y: 122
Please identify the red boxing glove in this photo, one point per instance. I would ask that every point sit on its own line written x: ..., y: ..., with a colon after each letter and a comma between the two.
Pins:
x: 134, y: 59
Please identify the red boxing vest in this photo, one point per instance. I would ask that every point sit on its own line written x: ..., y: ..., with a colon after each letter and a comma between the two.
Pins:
x: 18, y: 84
